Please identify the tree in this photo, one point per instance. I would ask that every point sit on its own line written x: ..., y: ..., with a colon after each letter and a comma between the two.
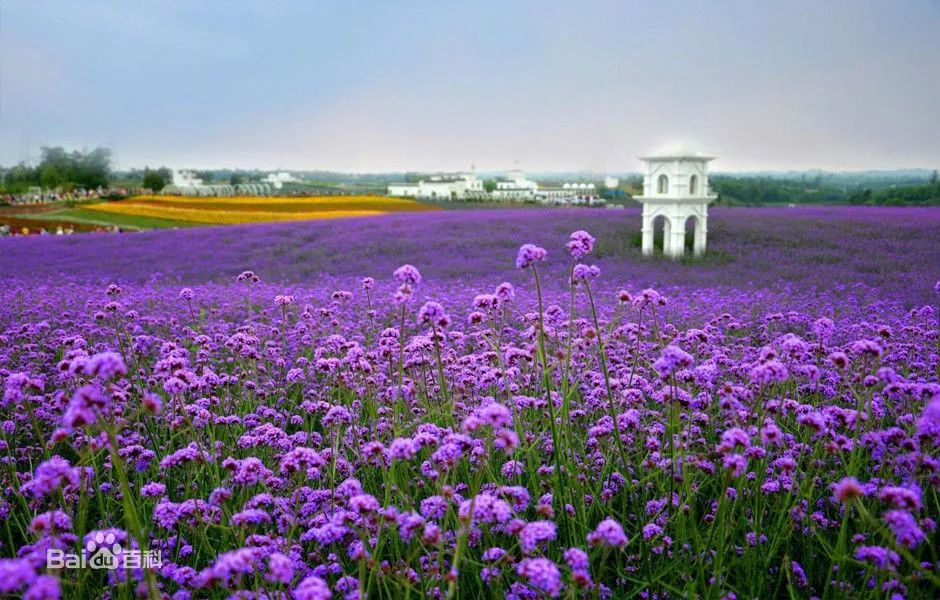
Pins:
x: 489, y: 185
x: 89, y: 169
x: 50, y: 177
x: 237, y: 179
x: 862, y: 197
x: 156, y: 179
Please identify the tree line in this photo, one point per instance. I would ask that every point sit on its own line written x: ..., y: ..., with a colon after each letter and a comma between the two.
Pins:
x: 761, y: 190
x: 59, y: 168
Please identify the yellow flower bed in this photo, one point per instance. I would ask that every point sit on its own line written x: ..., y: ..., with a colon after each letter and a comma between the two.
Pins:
x: 223, y: 217
x: 251, y: 209
x: 383, y: 203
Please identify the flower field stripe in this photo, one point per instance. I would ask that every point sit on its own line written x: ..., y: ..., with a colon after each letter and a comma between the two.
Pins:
x: 241, y: 210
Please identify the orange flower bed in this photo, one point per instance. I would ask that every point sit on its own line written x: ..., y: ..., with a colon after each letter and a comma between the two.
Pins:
x: 255, y: 209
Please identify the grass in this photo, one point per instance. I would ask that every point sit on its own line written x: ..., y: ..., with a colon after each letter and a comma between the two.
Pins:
x: 93, y: 217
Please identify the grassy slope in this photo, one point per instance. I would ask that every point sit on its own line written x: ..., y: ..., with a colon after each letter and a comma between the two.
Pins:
x: 103, y: 219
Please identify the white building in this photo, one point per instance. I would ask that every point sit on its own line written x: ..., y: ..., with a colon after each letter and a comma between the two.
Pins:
x: 442, y: 187
x: 675, y: 190
x: 185, y: 183
x: 514, y: 186
x: 569, y: 194
x: 611, y: 183
x: 279, y: 179
x: 186, y: 179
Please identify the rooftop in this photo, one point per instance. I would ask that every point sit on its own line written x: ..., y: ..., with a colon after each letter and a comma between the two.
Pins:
x: 664, y: 157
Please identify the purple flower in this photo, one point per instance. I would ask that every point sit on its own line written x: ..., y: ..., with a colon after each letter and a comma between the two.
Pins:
x: 799, y: 574
x: 46, y: 587
x: 403, y: 448
x: 301, y: 459
x: 408, y: 275
x: 584, y: 272
x: 364, y: 504
x: 312, y: 588
x: 847, y: 489
x: 280, y: 568
x: 105, y: 365
x: 542, y: 574
x: 904, y: 527
x: 251, y: 516
x: 153, y: 490
x: 282, y: 301
x: 576, y: 558
x: 529, y: 254
x: 769, y: 372
x: 486, y: 509
x: 229, y: 567
x: 882, y: 558
x: 51, y: 475
x: 505, y: 291
x: 187, y: 294
x: 651, y: 530
x: 608, y: 533
x: 901, y: 497
x: 672, y: 358
x: 496, y: 415
x: 580, y: 244
x: 432, y: 313
x: 15, y: 573
x: 534, y: 533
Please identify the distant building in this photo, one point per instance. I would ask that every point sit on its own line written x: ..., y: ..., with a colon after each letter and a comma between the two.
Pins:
x: 186, y: 183
x: 567, y: 193
x: 611, y: 182
x: 277, y: 180
x: 514, y: 186
x: 459, y: 186
x: 186, y: 179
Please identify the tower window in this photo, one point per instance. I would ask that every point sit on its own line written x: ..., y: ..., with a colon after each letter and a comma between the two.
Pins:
x: 662, y: 185
x: 693, y: 185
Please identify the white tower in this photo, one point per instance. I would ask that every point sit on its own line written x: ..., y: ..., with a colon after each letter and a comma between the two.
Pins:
x: 675, y: 188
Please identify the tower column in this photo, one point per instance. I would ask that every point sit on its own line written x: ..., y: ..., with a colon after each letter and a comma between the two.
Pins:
x: 677, y: 245
x: 647, y: 232
x: 701, y: 233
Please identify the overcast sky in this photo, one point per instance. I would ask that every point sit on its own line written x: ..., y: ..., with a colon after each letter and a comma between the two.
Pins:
x: 368, y: 86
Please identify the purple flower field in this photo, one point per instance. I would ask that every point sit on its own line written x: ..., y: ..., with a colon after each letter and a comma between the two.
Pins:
x: 489, y: 403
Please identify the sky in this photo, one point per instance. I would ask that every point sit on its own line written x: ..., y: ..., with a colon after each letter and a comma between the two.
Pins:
x: 366, y: 86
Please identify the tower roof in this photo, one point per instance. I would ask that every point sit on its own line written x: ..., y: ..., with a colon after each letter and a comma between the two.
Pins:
x: 678, y: 151
x: 677, y: 156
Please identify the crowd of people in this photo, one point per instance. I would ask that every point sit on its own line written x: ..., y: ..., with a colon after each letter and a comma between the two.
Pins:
x: 40, y: 196
x: 8, y: 231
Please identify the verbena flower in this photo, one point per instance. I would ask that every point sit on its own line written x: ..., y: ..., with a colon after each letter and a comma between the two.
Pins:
x: 608, y: 533
x: 580, y: 244
x: 542, y: 574
x: 528, y: 255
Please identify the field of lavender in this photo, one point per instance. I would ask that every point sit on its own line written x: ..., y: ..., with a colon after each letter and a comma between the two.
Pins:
x: 498, y: 403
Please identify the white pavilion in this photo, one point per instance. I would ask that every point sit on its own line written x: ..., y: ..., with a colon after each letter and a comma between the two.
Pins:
x: 675, y: 189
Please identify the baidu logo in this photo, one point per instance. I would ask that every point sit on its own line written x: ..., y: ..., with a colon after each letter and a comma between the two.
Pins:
x: 104, y: 551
